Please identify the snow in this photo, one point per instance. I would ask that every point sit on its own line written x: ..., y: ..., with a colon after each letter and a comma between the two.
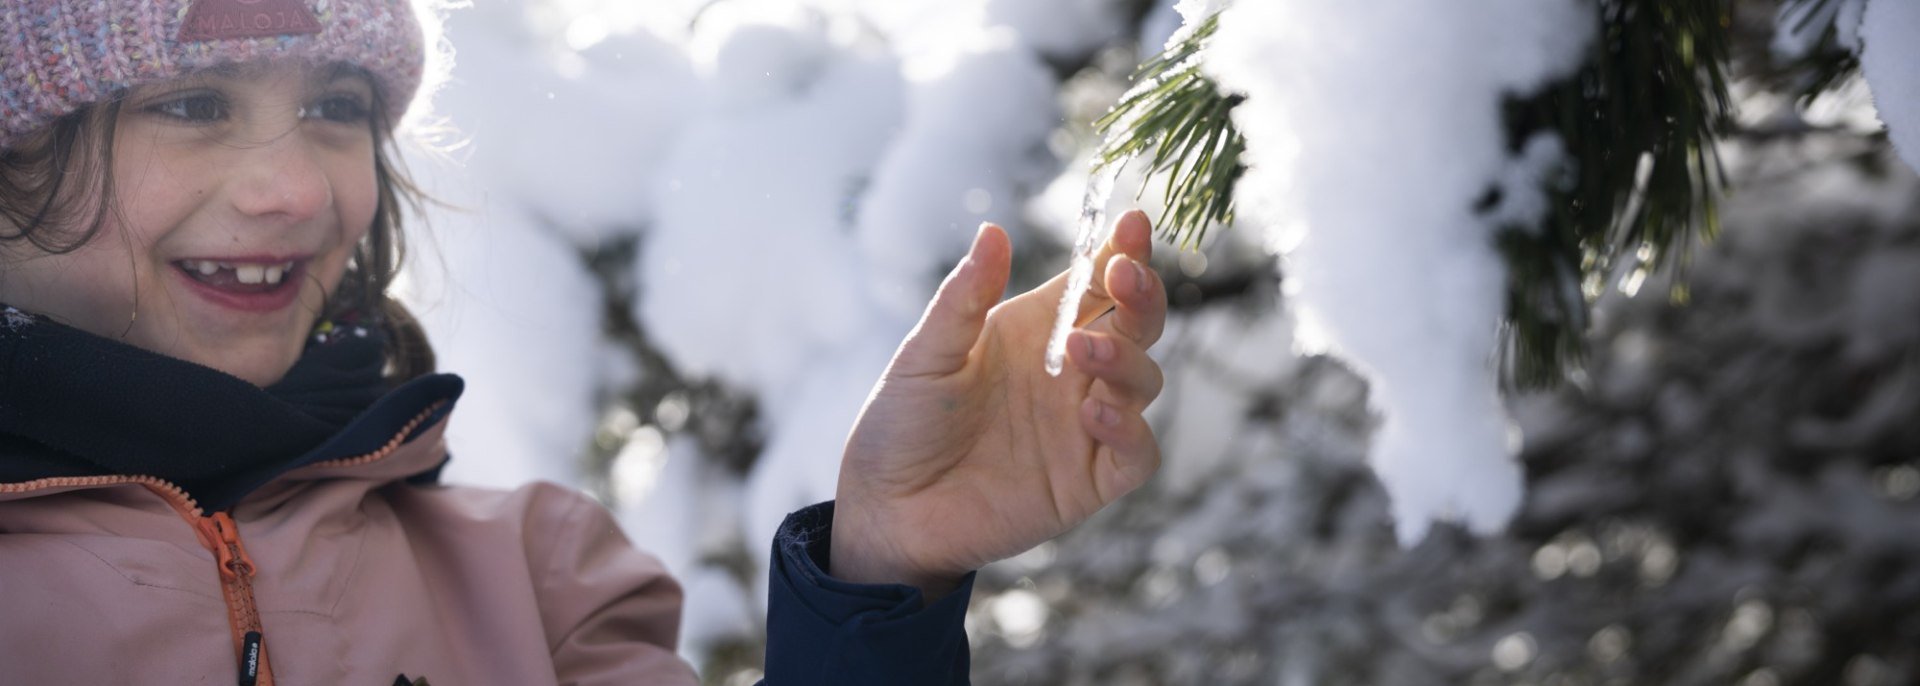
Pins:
x: 1158, y: 28
x: 970, y: 145
x: 684, y: 513
x: 498, y: 255
x: 801, y: 463
x: 755, y: 212
x: 1214, y: 360
x: 1059, y: 27
x: 796, y: 175
x: 1373, y: 169
x: 750, y: 271
x: 1193, y: 11
x: 483, y: 283
x: 1890, y: 59
x: 1799, y: 26
x: 583, y: 186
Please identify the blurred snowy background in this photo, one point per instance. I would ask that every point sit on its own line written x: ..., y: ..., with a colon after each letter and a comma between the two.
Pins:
x: 682, y: 237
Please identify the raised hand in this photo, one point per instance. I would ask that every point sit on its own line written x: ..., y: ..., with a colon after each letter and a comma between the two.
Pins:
x: 969, y: 452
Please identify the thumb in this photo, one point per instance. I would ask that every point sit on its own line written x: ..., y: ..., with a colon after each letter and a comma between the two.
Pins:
x: 952, y: 323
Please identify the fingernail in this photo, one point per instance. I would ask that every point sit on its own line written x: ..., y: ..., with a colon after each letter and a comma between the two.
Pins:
x: 1139, y: 276
x: 1101, y: 348
x: 1105, y: 414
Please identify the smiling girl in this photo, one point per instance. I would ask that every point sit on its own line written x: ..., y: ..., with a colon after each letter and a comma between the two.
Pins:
x: 238, y: 196
x: 219, y: 437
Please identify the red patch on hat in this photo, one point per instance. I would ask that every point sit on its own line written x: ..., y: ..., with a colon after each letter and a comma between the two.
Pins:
x: 210, y: 20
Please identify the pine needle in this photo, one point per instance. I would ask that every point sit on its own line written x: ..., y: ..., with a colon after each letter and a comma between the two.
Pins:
x: 1177, y: 119
x: 1639, y: 122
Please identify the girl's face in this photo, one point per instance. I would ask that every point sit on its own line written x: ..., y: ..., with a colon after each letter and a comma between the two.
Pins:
x: 239, y: 195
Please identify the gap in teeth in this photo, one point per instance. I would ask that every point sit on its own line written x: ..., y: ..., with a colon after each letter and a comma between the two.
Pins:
x: 243, y: 273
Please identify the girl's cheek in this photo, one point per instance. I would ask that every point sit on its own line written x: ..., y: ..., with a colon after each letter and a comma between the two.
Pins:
x: 358, y: 210
x: 89, y: 287
x: 356, y: 200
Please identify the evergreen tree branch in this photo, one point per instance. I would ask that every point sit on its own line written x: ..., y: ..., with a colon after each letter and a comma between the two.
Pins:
x: 1178, y: 118
x: 1638, y: 121
x: 1827, y: 63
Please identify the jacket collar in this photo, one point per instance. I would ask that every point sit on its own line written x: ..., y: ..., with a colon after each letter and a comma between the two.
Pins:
x: 84, y: 409
x: 385, y: 445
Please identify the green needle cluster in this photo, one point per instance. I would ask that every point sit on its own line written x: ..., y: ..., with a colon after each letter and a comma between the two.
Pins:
x: 1177, y: 119
x: 1638, y: 121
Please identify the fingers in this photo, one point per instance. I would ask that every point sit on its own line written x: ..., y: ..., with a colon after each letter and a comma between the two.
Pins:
x: 1125, y: 377
x: 951, y: 326
x: 1139, y: 302
x: 1132, y: 237
x: 1128, y: 453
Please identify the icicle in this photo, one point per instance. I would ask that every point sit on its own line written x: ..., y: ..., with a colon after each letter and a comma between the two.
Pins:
x: 1092, y: 233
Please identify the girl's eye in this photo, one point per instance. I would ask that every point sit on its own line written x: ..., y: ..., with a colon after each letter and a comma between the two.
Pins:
x: 194, y: 108
x: 340, y: 109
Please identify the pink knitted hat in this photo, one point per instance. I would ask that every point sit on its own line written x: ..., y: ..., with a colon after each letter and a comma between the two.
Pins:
x: 58, y: 55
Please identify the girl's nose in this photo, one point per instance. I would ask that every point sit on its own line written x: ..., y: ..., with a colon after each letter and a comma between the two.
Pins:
x: 283, y: 180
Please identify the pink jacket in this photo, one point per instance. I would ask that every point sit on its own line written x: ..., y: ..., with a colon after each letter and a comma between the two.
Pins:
x: 335, y: 573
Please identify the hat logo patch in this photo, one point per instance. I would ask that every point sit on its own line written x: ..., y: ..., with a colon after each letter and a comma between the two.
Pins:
x: 210, y: 20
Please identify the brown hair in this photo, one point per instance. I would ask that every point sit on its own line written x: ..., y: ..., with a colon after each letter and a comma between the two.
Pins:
x: 46, y: 179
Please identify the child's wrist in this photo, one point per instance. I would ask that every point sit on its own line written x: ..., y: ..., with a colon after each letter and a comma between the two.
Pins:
x: 862, y: 554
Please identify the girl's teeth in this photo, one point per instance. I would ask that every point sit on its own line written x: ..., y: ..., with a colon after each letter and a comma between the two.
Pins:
x: 251, y: 274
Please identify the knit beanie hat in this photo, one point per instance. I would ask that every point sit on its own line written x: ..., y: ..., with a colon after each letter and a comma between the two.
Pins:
x: 59, y: 55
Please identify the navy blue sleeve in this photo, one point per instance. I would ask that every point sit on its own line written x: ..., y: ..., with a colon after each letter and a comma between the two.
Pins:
x: 821, y: 630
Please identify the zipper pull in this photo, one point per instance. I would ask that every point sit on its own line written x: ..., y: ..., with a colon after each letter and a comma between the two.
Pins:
x: 222, y: 536
x: 250, y: 659
x: 233, y: 557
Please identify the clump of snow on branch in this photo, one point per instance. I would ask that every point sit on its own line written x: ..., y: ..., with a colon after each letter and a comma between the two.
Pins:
x: 1367, y: 171
x: 978, y: 115
x: 1890, y: 59
x: 1799, y: 26
x: 755, y: 206
x: 495, y: 261
x: 750, y: 273
x: 1058, y: 27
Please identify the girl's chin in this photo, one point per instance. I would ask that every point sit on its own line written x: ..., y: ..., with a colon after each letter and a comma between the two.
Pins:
x: 258, y: 347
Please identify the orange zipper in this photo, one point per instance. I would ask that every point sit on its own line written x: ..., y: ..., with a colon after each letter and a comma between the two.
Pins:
x: 221, y: 536
x: 399, y: 439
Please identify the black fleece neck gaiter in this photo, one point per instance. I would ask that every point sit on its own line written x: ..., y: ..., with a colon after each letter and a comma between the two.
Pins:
x: 76, y: 404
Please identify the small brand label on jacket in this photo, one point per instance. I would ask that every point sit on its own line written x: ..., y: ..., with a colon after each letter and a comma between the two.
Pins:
x: 250, y: 659
x: 229, y: 19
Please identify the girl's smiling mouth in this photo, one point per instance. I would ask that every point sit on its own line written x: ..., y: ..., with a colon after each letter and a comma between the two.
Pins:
x: 246, y: 284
